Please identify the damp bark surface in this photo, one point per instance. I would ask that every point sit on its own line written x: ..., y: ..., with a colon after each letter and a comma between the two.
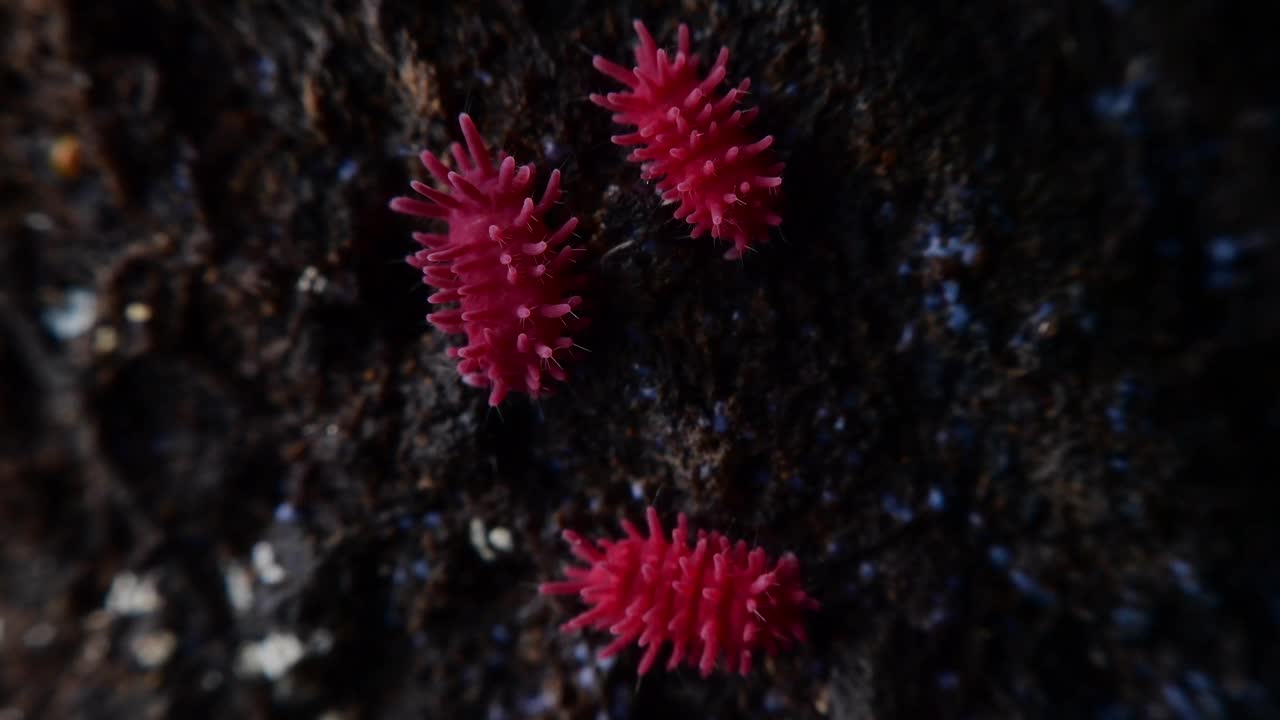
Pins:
x: 1005, y: 381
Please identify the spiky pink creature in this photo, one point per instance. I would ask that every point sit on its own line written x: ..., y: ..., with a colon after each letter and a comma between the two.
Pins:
x: 510, y: 276
x: 716, y: 599
x: 696, y: 145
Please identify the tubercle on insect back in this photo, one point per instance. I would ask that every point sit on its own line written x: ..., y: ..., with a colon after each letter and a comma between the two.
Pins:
x: 697, y: 146
x: 510, y: 281
x: 714, y: 600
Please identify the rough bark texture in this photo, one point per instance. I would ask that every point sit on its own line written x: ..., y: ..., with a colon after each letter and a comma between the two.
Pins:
x: 1006, y: 383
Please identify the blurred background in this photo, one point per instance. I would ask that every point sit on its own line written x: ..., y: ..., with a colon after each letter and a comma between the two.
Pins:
x: 1005, y: 381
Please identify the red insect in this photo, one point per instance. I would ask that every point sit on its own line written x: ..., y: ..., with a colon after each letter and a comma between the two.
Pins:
x: 695, y: 144
x: 511, y: 278
x: 714, y: 600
